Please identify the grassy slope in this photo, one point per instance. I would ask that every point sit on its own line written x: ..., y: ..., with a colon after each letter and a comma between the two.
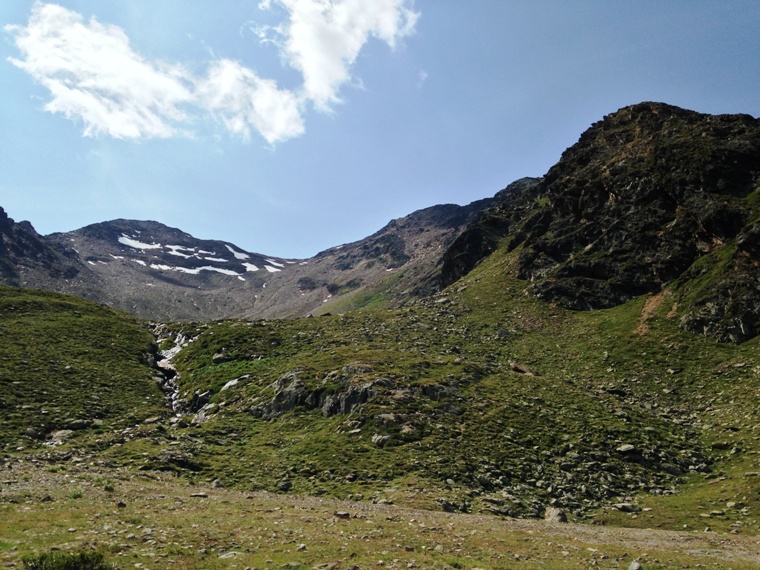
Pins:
x: 164, y: 523
x: 64, y: 359
x: 467, y: 431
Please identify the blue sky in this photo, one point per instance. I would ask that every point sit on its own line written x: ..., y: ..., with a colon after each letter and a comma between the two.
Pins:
x: 290, y: 126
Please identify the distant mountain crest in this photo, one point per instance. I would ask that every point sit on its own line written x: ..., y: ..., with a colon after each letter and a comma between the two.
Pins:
x: 161, y: 248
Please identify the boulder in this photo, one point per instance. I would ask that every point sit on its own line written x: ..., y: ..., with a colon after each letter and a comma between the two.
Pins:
x: 555, y: 515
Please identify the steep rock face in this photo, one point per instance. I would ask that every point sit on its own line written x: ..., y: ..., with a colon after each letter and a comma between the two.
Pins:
x: 482, y: 237
x: 642, y: 197
x: 26, y: 258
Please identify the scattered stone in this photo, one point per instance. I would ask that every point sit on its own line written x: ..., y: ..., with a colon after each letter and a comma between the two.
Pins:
x: 626, y: 507
x: 342, y: 515
x: 520, y: 368
x: 380, y: 440
x: 201, y: 494
x: 555, y: 515
x: 219, y: 358
x: 78, y: 424
x: 60, y: 435
x: 635, y: 565
x: 31, y: 432
x: 626, y: 448
x: 284, y: 486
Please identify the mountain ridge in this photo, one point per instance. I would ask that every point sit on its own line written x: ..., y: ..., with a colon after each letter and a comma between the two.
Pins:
x: 650, y: 197
x: 164, y: 273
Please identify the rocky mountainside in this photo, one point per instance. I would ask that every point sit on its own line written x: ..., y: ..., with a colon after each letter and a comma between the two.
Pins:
x: 651, y: 196
x: 163, y: 273
x: 28, y: 259
x: 159, y: 272
x: 24, y: 251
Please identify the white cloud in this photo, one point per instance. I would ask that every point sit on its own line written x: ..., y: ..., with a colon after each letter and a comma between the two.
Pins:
x: 244, y: 100
x: 94, y: 76
x: 322, y: 38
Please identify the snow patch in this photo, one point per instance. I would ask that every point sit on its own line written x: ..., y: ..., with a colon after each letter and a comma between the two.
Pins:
x: 273, y: 262
x: 116, y: 256
x: 126, y: 240
x: 140, y: 261
x: 197, y: 270
x: 250, y: 267
x: 217, y: 259
x: 175, y: 250
x: 237, y: 254
x: 272, y: 269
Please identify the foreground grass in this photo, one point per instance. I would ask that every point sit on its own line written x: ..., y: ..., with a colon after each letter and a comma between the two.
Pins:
x: 151, y: 521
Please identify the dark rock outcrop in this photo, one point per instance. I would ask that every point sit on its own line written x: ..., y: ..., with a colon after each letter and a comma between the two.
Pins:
x: 26, y: 256
x: 650, y: 196
x: 482, y: 238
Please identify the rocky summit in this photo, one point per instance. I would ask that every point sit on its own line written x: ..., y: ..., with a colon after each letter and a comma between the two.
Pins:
x: 652, y: 196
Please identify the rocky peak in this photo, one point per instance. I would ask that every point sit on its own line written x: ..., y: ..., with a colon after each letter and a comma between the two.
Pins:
x: 25, y: 255
x: 631, y: 207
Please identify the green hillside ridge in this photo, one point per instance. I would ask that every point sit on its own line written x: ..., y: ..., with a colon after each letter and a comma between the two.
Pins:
x: 480, y: 400
x: 69, y: 364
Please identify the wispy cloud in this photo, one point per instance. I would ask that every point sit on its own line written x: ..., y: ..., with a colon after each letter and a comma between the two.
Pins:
x: 322, y: 38
x: 244, y: 100
x: 95, y: 76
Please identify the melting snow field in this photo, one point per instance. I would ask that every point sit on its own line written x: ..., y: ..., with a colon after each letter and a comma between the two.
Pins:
x: 272, y: 266
x: 138, y: 244
x: 237, y: 254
